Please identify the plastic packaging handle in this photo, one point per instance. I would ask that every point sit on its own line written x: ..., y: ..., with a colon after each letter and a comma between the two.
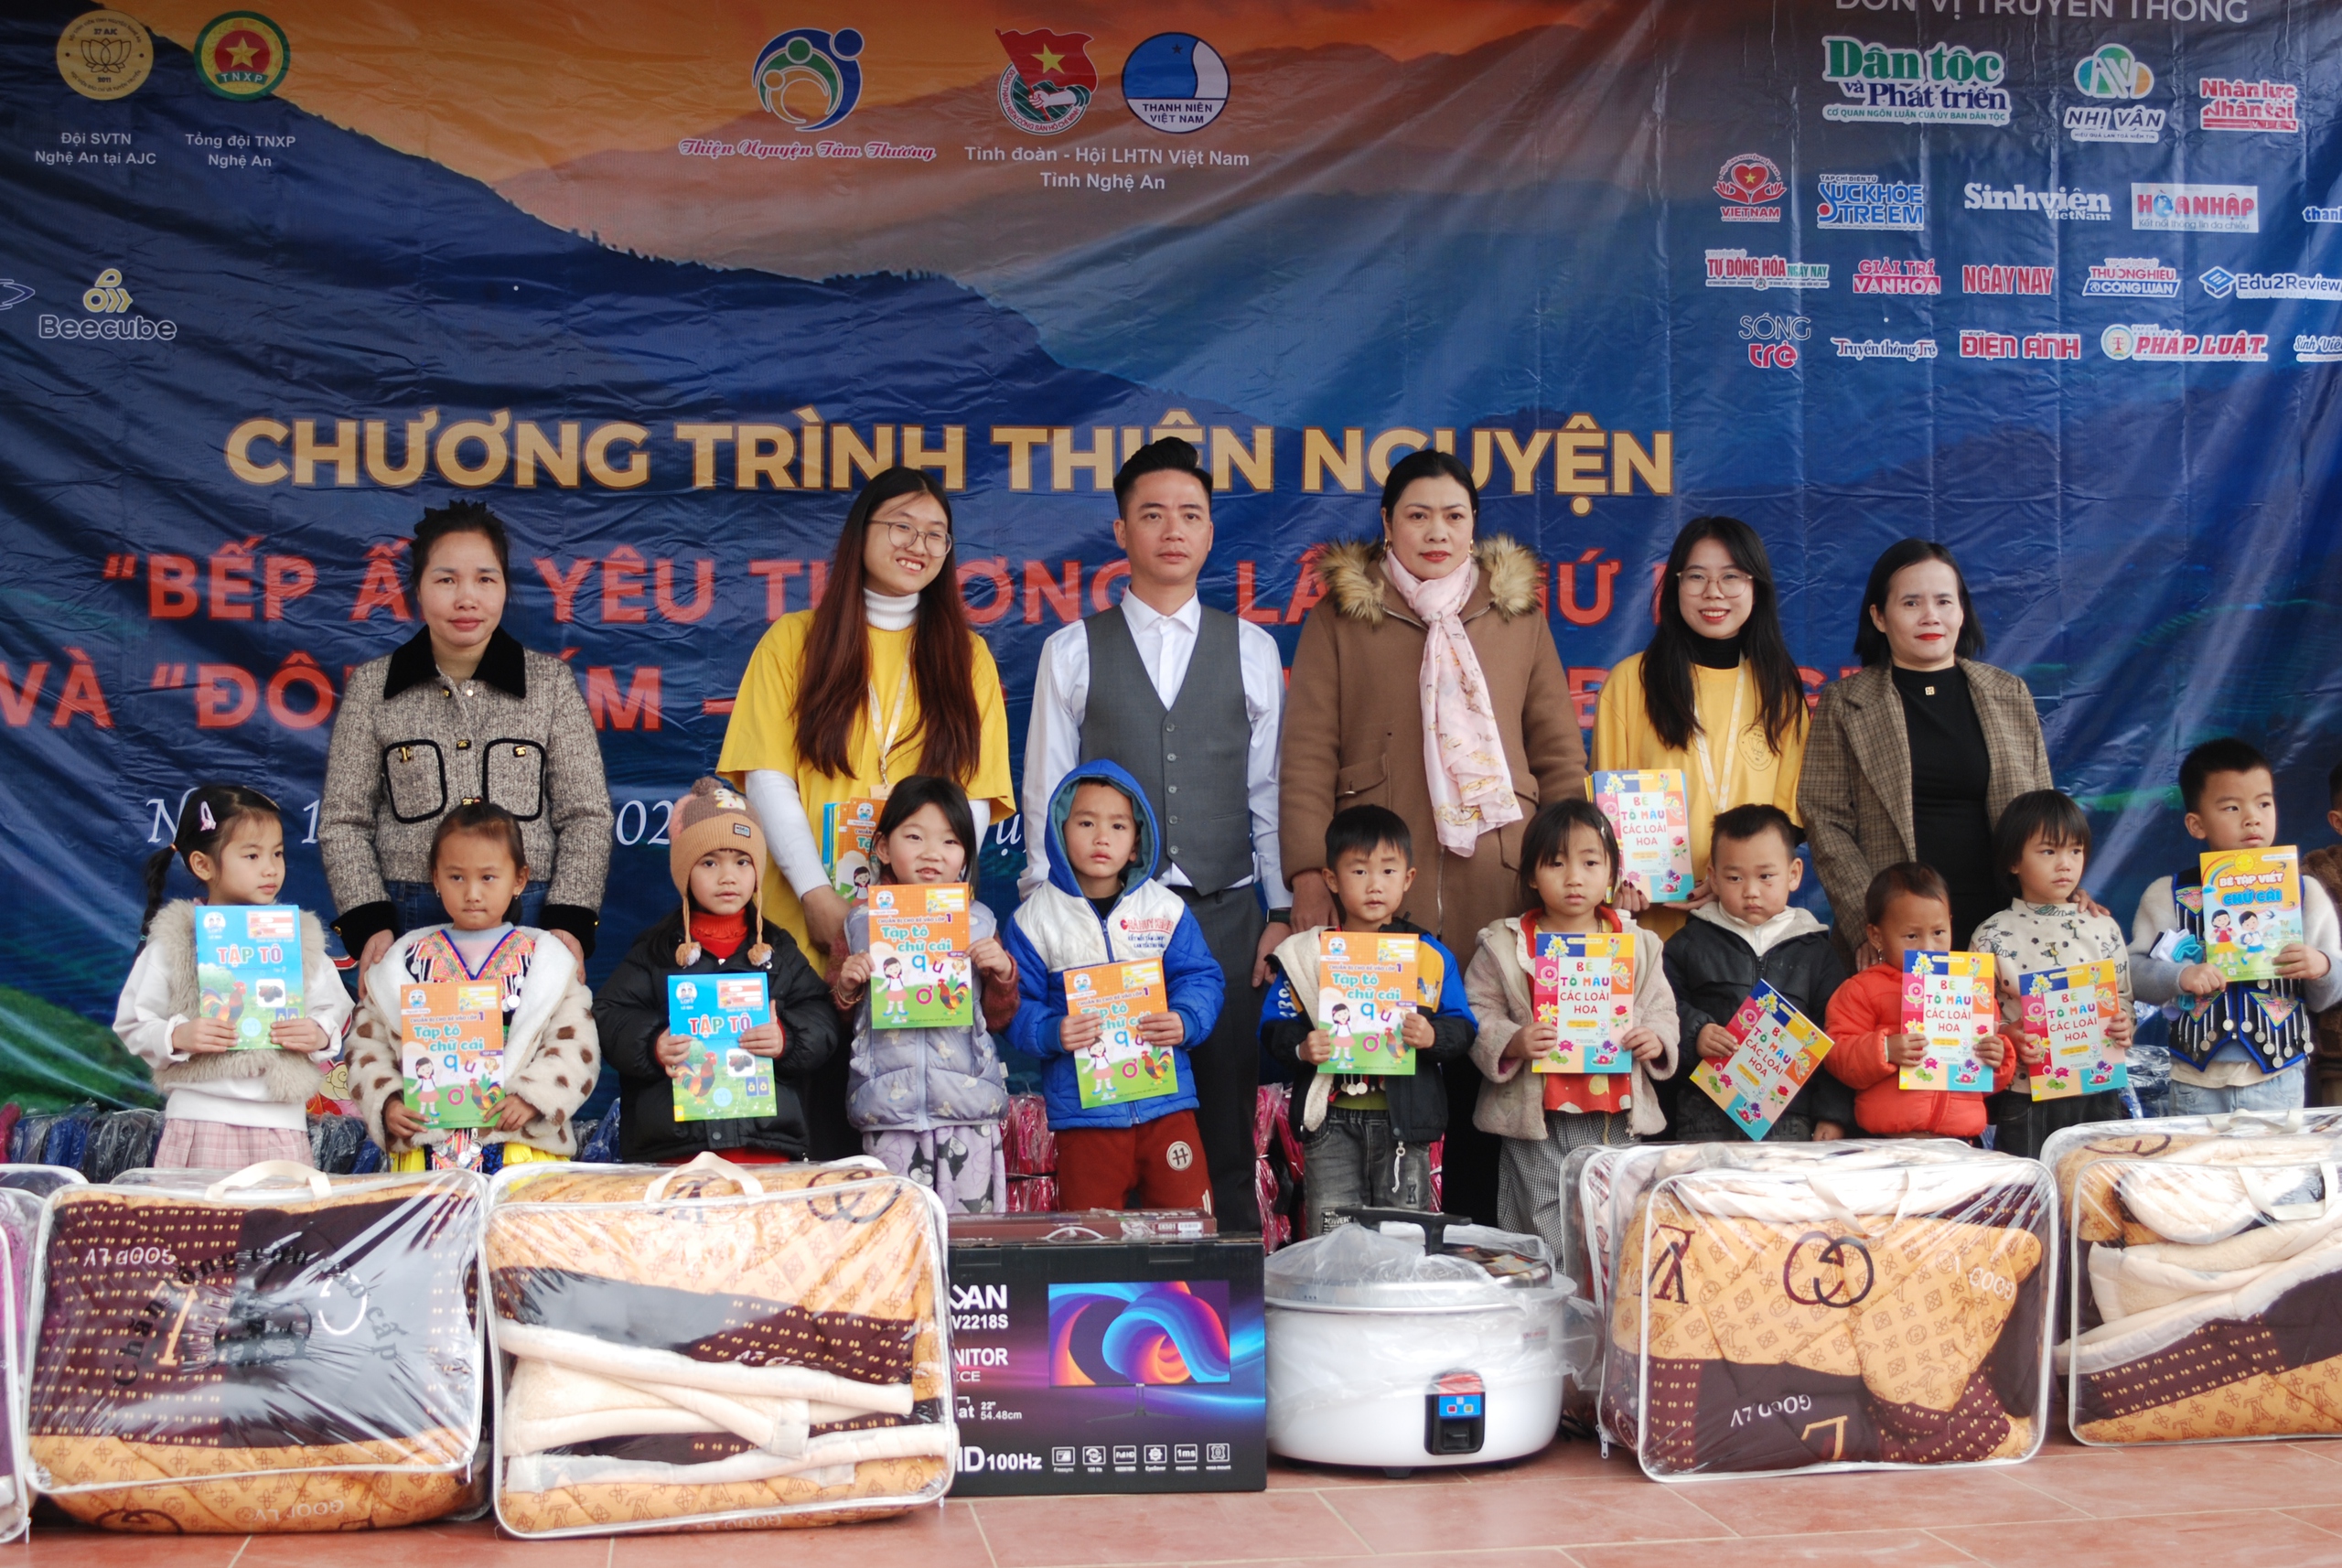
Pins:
x: 1844, y: 1212
x: 1433, y: 1226
x: 270, y: 1170
x: 712, y: 1164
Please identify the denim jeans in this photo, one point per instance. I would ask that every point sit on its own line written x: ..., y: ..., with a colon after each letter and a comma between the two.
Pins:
x: 2283, y: 1092
x: 1353, y: 1158
x: 417, y: 906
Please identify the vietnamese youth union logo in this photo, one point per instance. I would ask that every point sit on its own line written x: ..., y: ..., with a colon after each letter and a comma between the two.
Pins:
x: 1175, y: 82
x: 2115, y: 72
x: 1752, y: 186
x: 807, y: 68
x: 241, y: 55
x: 104, y: 54
x: 1049, y: 80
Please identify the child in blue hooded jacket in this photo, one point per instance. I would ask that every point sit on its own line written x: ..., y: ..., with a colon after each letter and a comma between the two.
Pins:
x: 1102, y: 906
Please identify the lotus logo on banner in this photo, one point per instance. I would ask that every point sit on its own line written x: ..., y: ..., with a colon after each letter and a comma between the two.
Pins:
x: 808, y: 57
x: 1049, y: 80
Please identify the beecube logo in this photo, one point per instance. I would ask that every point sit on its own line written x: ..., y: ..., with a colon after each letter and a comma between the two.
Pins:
x: 1950, y: 84
x: 2115, y: 72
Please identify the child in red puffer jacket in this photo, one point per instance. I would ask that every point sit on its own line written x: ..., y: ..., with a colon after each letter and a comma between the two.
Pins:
x: 1907, y: 909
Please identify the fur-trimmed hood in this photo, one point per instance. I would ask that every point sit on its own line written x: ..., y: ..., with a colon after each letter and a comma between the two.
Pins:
x: 1351, y: 570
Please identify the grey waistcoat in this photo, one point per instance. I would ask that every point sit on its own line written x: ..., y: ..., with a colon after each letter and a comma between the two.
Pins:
x: 1190, y: 759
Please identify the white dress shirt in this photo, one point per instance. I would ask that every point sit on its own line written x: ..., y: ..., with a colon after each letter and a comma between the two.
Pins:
x: 1166, y: 645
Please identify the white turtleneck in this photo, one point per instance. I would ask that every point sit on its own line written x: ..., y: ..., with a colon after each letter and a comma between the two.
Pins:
x: 783, y: 807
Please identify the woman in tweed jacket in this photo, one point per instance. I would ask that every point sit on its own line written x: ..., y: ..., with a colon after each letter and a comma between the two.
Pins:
x: 461, y: 712
x: 1916, y: 756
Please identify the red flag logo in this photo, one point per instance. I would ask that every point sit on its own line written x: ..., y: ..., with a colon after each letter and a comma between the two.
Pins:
x: 1059, y: 59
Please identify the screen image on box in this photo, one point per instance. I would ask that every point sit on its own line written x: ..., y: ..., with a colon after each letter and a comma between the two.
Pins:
x: 1153, y: 1334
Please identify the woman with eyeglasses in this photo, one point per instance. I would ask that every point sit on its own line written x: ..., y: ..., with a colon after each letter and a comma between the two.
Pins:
x: 1715, y: 696
x: 880, y: 680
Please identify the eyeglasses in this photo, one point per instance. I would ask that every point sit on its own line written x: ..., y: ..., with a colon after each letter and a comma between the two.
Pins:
x: 1732, y: 585
x: 910, y: 536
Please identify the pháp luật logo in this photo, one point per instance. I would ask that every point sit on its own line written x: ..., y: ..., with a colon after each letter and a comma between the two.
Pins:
x: 2134, y: 278
x: 1866, y: 201
x: 2149, y: 343
x: 241, y: 55
x: 1949, y: 84
x: 1752, y: 188
x: 810, y: 61
x: 1175, y: 82
x: 2233, y: 105
x: 2195, y: 208
x: 1049, y: 80
x: 2058, y: 203
x: 1738, y: 269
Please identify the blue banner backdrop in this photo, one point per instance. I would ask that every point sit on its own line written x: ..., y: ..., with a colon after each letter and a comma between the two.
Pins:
x: 2046, y: 283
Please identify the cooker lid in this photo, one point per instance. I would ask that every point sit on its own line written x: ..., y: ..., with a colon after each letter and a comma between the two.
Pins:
x: 1388, y: 1266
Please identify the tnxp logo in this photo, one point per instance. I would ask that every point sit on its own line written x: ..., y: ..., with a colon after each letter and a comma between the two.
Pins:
x: 2115, y: 72
x: 808, y: 63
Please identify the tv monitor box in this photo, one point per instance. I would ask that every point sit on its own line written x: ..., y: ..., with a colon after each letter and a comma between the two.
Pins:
x: 1089, y: 1363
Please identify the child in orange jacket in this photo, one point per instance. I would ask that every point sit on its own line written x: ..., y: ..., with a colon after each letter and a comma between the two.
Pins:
x: 1907, y: 909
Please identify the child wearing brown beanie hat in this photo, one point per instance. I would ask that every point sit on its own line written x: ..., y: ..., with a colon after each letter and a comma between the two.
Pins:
x: 717, y: 856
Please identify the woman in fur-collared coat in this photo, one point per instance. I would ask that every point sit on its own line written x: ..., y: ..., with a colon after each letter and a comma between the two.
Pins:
x: 1384, y: 650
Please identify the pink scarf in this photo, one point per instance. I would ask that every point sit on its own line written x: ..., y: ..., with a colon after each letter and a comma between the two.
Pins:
x: 1471, y: 785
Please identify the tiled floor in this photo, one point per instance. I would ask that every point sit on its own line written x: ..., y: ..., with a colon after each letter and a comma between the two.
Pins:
x: 2256, y: 1504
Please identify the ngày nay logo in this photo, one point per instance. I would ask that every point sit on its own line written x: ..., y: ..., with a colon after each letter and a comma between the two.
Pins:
x: 1991, y: 277
x: 108, y: 302
x: 2057, y: 203
x: 2221, y: 283
x: 1982, y: 343
x: 1738, y: 269
x: 1866, y: 201
x: 1175, y: 82
x: 1772, y: 340
x: 2155, y: 344
x: 104, y: 54
x: 1887, y: 275
x: 241, y: 55
x: 810, y: 78
x: 2134, y: 278
x: 2197, y: 208
x: 2232, y: 105
x: 1752, y: 188
x: 1950, y: 84
x: 1049, y: 80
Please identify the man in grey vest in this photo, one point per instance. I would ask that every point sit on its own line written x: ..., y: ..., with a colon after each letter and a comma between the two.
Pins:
x: 1190, y: 701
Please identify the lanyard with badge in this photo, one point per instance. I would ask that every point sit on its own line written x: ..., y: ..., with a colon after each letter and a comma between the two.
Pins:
x: 1710, y: 774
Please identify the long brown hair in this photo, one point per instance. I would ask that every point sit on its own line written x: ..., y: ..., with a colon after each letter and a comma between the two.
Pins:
x: 834, y: 690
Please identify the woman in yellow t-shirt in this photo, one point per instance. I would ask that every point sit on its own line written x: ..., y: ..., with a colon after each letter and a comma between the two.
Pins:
x: 1715, y: 695
x: 882, y: 680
